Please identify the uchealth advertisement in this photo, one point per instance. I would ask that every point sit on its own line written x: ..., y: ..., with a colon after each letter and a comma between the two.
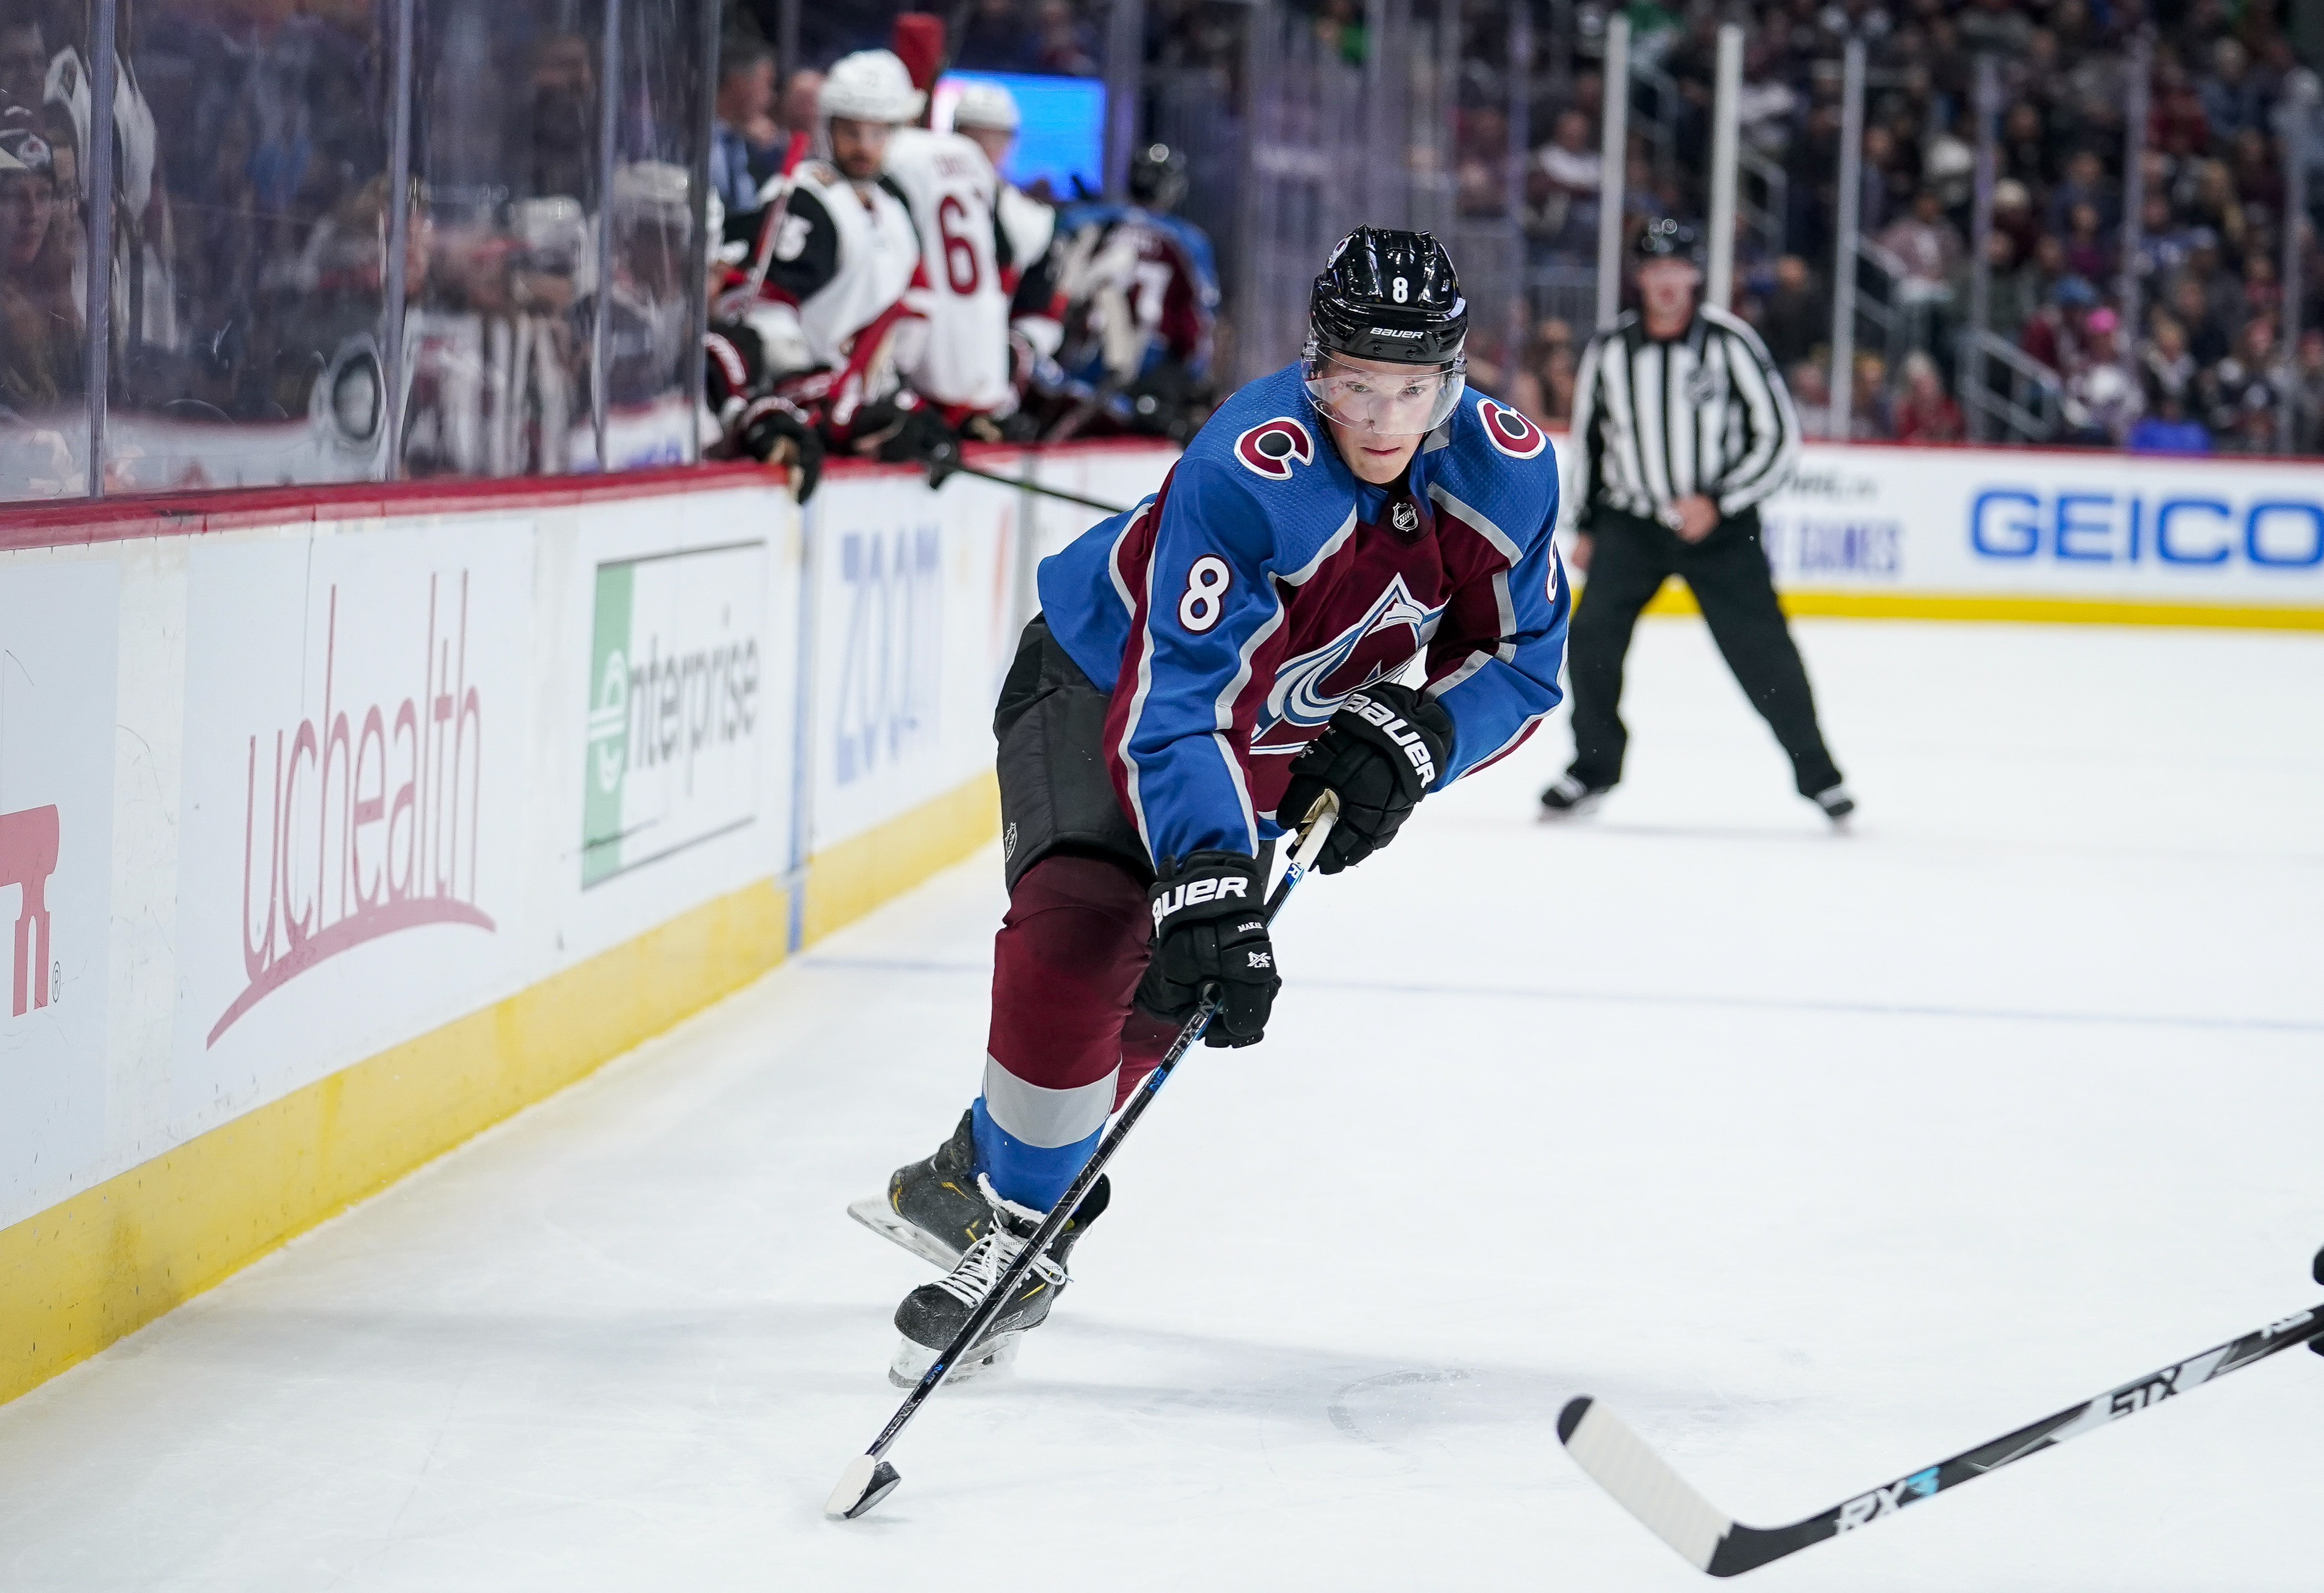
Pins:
x: 358, y: 726
x: 2098, y: 527
x: 58, y: 651
x: 678, y: 698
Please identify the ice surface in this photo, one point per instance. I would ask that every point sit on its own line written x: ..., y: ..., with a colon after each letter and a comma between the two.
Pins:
x: 1819, y: 1158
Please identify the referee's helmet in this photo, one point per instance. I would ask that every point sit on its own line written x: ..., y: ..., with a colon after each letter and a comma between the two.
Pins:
x: 1666, y: 239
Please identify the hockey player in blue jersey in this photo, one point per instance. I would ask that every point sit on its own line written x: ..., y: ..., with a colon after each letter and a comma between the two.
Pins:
x: 1204, y: 667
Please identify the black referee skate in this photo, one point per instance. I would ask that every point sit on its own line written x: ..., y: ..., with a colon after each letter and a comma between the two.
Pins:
x: 1567, y: 797
x: 1837, y: 804
x: 934, y: 1313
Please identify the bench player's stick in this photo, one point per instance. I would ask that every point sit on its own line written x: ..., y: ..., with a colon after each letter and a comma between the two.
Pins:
x: 869, y: 1477
x: 1643, y: 1483
x: 944, y: 463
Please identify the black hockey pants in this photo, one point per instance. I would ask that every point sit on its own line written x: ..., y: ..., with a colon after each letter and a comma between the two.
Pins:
x: 1629, y: 559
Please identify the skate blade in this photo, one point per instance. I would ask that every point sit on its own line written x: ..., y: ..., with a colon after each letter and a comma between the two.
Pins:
x: 1580, y: 810
x: 996, y: 1354
x: 875, y: 1213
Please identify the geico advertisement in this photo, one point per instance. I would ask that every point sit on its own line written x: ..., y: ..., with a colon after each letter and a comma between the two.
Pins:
x: 678, y: 692
x: 914, y: 592
x: 358, y: 720
x: 57, y: 716
x: 2050, y: 524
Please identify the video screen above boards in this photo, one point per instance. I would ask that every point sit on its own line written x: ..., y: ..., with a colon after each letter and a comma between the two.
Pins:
x: 1060, y: 131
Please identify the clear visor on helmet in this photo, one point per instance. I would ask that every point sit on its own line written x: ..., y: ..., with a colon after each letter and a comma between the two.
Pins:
x: 1378, y: 397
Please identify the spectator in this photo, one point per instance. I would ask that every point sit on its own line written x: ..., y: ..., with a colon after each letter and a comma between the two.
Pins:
x: 2012, y: 214
x: 2205, y: 333
x: 1924, y: 412
x: 2230, y: 100
x: 2246, y: 380
x: 1929, y: 246
x: 1870, y: 400
x: 2167, y: 369
x: 2087, y: 255
x: 801, y: 97
x: 2016, y: 289
x: 2084, y: 183
x: 1544, y: 386
x: 2308, y: 393
x: 2056, y: 332
x: 1064, y: 44
x: 1994, y: 26
x: 40, y: 322
x: 1341, y: 29
x: 746, y: 92
x: 1798, y: 315
x: 995, y: 39
x: 1564, y: 187
x: 2165, y: 428
x: 1810, y: 400
x: 1481, y: 162
x: 2099, y: 403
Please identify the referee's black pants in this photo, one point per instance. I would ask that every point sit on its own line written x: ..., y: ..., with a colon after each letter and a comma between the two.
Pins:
x: 1629, y: 559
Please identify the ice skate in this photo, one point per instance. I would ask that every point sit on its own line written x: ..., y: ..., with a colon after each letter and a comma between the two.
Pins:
x: 1837, y: 804
x: 933, y: 1313
x: 1568, y: 799
x: 932, y: 1207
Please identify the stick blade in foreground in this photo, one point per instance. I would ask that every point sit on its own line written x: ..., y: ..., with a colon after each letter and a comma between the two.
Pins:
x: 1619, y: 1461
x: 1642, y: 1482
x: 867, y: 1480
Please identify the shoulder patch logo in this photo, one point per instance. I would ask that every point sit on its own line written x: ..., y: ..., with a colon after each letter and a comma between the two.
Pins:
x: 1273, y: 447
x: 1510, y: 432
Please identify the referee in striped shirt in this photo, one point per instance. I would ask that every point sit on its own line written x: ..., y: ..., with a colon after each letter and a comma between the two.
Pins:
x: 1681, y: 429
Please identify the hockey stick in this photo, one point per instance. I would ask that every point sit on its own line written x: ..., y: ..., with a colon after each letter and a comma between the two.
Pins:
x: 1643, y: 1483
x: 946, y: 463
x: 869, y: 1477
x: 778, y: 206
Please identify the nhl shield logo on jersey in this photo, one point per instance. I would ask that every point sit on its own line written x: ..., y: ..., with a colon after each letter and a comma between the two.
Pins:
x: 1272, y: 448
x: 1405, y: 517
x: 1510, y: 432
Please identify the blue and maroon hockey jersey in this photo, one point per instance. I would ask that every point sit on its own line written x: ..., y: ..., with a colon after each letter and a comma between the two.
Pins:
x: 1234, y: 610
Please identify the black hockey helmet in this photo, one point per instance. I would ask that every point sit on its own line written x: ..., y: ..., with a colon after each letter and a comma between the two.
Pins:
x: 1386, y: 295
x: 1666, y: 239
x: 1157, y: 178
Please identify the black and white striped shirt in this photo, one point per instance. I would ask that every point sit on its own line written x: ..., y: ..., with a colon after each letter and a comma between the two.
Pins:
x: 1654, y: 422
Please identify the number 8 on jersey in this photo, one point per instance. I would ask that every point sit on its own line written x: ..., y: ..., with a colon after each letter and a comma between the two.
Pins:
x: 1207, y: 591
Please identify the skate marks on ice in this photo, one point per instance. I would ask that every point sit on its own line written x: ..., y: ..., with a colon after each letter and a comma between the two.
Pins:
x: 1773, y: 1005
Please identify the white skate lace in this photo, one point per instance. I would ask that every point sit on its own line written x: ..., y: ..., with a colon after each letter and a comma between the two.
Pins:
x: 991, y: 1255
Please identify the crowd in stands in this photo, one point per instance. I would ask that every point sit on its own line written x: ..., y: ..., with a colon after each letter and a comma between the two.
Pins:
x: 2206, y: 367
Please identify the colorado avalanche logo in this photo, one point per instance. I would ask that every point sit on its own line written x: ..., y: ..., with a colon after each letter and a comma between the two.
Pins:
x: 1272, y: 448
x: 1511, y: 432
x: 1309, y: 689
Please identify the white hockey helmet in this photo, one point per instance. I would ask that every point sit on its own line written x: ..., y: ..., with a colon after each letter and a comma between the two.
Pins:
x: 985, y: 105
x: 650, y: 193
x: 870, y: 85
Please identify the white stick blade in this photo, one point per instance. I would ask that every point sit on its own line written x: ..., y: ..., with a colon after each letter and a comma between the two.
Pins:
x: 860, y: 1488
x: 1642, y: 1482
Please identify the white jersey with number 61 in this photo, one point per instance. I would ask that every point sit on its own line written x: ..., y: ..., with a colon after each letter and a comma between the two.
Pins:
x: 952, y: 188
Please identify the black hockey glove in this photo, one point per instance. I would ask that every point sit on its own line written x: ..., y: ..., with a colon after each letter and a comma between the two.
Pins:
x: 1380, y: 754
x: 775, y: 431
x: 1210, y: 927
x: 902, y: 429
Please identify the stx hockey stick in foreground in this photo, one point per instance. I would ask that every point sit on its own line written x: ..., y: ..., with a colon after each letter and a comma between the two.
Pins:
x: 869, y: 1477
x: 1643, y: 1483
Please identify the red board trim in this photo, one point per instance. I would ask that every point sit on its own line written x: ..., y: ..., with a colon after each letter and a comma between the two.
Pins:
x: 76, y: 522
